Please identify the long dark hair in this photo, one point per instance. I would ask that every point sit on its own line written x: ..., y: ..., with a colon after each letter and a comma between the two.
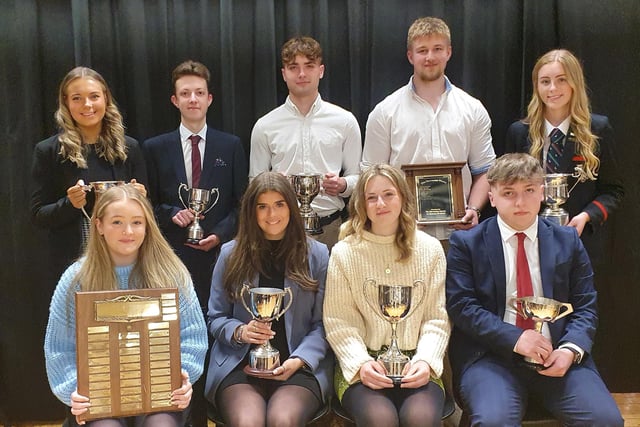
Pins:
x: 252, y: 252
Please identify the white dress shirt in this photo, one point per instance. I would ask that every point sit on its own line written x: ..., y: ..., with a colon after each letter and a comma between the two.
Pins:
x: 186, y: 149
x: 325, y: 140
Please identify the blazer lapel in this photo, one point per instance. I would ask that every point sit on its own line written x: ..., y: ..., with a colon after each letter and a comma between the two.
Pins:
x: 547, y: 257
x: 566, y: 162
x: 208, y: 165
x: 174, y: 152
x: 493, y: 243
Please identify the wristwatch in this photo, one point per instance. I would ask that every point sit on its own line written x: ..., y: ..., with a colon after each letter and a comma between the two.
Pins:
x: 473, y: 208
x: 577, y: 358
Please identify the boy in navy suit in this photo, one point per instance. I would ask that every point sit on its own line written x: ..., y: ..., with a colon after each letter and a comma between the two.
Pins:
x: 171, y: 158
x: 484, y: 275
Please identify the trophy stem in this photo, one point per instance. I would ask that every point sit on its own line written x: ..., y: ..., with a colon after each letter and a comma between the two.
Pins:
x: 393, y: 359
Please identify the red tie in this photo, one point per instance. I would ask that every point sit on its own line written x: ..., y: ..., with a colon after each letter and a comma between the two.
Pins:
x: 196, y: 167
x: 523, y: 280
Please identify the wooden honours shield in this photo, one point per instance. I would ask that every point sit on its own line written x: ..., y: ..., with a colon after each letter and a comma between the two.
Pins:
x: 438, y: 191
x: 128, y: 351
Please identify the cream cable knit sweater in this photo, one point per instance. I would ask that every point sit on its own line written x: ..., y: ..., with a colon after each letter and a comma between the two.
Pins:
x: 350, y: 323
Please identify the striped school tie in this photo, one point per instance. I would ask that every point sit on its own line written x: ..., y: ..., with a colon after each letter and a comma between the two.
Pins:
x: 556, y: 137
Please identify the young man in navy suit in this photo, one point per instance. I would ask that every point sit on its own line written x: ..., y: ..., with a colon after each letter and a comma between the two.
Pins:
x: 223, y: 165
x: 170, y: 162
x: 488, y: 344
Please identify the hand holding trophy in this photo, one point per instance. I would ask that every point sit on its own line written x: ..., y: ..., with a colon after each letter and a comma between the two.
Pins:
x: 265, y: 305
x: 394, y: 305
x: 541, y: 310
x: 200, y: 202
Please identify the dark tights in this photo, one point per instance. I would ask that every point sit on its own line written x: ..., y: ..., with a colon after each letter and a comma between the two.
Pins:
x: 249, y: 405
x: 394, y: 407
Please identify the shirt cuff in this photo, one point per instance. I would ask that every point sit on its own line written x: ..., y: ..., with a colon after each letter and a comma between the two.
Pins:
x: 575, y: 349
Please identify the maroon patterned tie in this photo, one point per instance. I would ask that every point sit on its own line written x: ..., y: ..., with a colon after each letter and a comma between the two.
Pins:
x: 196, y: 167
x: 523, y: 280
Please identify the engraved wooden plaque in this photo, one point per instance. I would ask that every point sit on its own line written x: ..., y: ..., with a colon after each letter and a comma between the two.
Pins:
x: 128, y: 351
x: 438, y: 191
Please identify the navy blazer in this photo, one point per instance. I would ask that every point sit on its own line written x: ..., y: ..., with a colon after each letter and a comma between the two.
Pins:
x: 476, y: 292
x: 224, y: 167
x: 50, y: 207
x: 303, y: 323
x: 597, y: 198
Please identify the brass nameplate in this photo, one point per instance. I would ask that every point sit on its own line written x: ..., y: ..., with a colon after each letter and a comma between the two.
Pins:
x: 438, y: 191
x: 128, y: 351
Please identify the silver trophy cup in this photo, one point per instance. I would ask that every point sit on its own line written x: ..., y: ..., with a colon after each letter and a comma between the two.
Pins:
x: 541, y: 310
x: 307, y: 187
x: 556, y: 193
x: 265, y: 305
x: 200, y: 202
x: 99, y: 188
x: 394, y: 305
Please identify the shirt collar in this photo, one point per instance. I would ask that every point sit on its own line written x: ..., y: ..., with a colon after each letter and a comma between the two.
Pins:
x: 186, y: 133
x: 507, y: 232
x: 447, y: 85
x: 564, y: 126
x: 314, y: 107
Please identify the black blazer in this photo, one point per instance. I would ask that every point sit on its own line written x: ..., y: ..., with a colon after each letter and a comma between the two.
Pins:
x: 50, y: 207
x: 224, y: 167
x: 598, y: 198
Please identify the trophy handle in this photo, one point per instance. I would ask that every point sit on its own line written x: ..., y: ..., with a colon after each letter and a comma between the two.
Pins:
x: 287, y: 291
x: 180, y: 187
x: 569, y: 310
x: 243, y: 291
x: 417, y: 284
x: 213, y: 190
x: 513, y: 302
x: 365, y: 286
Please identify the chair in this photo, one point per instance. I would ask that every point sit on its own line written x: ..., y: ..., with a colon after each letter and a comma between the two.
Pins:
x: 213, y: 415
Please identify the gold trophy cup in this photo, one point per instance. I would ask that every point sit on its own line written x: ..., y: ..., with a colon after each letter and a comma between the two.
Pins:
x: 200, y: 202
x: 541, y: 310
x: 265, y: 305
x: 394, y: 305
x: 307, y: 187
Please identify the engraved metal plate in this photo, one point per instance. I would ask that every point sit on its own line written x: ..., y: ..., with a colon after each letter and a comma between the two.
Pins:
x: 438, y: 191
x: 128, y: 351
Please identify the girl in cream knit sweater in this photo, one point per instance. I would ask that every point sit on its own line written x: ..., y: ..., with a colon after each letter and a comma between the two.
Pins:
x: 380, y: 242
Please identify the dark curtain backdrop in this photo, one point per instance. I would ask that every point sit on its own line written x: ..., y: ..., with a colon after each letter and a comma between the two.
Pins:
x: 135, y: 44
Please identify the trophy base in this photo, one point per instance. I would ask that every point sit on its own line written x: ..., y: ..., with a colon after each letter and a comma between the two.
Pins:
x: 533, y: 365
x: 261, y: 373
x: 397, y: 380
x: 193, y: 241
x: 312, y: 225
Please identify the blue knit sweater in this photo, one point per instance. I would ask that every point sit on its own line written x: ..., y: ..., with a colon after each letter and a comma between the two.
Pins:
x: 60, y: 338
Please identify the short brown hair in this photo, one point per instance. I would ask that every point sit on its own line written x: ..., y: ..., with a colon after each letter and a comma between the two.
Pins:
x: 513, y: 167
x: 304, y: 45
x: 427, y: 26
x: 190, y: 68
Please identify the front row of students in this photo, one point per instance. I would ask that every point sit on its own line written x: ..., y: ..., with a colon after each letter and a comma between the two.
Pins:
x: 380, y: 242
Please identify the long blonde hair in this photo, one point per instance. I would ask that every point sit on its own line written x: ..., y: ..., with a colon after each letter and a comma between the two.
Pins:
x: 111, y: 142
x: 359, y: 221
x: 157, y: 265
x: 579, y: 111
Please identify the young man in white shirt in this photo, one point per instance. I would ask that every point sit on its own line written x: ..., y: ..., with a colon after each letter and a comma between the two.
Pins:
x: 309, y: 135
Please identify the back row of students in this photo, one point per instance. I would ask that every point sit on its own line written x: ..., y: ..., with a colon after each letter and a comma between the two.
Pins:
x: 429, y: 120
